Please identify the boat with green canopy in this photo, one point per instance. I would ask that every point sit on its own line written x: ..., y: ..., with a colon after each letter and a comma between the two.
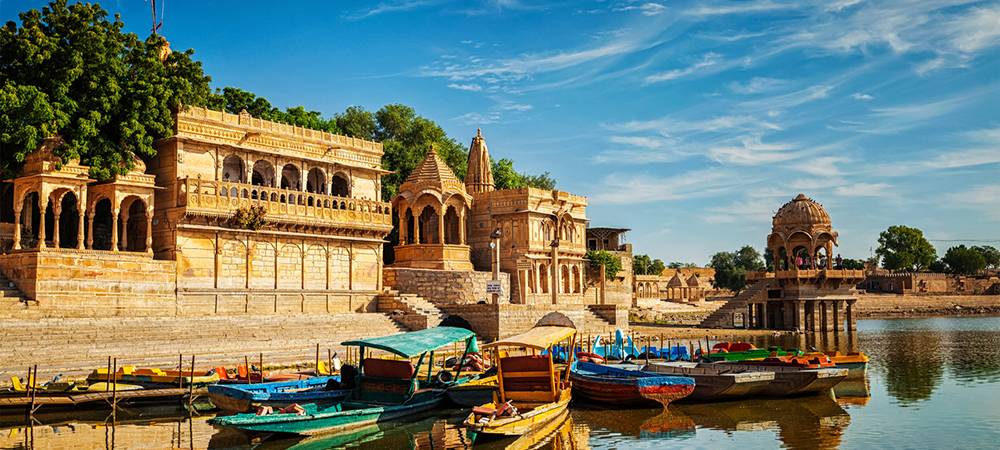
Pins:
x: 384, y: 389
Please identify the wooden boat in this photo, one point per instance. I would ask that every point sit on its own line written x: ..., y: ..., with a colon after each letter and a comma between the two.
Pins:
x: 385, y: 390
x: 614, y: 386
x: 154, y: 378
x: 743, y: 351
x: 242, y: 397
x: 718, y: 383
x: 856, y: 363
x: 530, y: 383
x: 475, y: 392
x: 792, y: 376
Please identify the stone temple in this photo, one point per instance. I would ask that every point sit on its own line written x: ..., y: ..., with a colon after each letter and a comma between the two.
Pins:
x: 159, y: 250
x: 806, y: 292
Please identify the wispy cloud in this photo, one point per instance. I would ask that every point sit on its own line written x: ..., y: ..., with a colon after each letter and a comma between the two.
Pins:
x: 391, y: 7
x: 860, y: 96
x: 621, y: 188
x: 724, y: 8
x: 474, y: 118
x: 751, y: 152
x: 862, y: 190
x: 981, y: 197
x: 466, y: 87
x: 825, y: 166
x: 707, y: 60
x: 755, y: 85
x: 639, y: 141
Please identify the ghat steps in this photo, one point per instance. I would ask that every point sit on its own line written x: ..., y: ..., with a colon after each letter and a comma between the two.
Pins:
x: 738, y: 304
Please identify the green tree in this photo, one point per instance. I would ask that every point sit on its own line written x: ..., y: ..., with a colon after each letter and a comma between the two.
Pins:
x: 357, y: 122
x: 731, y: 268
x: 408, y: 138
x: 964, y: 261
x: 853, y: 264
x: 644, y: 265
x: 504, y: 176
x: 543, y: 181
x: 680, y: 265
x: 990, y: 254
x: 612, y: 264
x: 71, y: 71
x: 904, y: 248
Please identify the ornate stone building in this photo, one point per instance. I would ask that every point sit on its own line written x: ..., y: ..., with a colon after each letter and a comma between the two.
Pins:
x: 536, y: 235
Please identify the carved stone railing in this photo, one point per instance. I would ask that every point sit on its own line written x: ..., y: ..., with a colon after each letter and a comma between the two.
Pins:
x: 283, y: 205
x: 807, y: 273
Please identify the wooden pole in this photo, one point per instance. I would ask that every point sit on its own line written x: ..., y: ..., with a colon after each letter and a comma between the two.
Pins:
x: 108, y: 386
x: 317, y: 360
x: 329, y: 360
x: 114, y: 387
x: 647, y: 351
x: 246, y: 365
x: 180, y: 368
x: 661, y: 348
x: 191, y: 385
x: 261, y: 368
x: 32, y: 374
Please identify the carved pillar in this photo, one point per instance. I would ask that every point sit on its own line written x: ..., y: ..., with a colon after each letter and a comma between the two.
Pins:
x: 114, y: 228
x: 17, y: 226
x: 149, y: 230
x: 124, y: 238
x: 824, y: 322
x: 416, y: 229
x: 56, y: 213
x: 441, y: 227
x: 829, y: 255
x: 461, y: 227
x: 42, y: 207
x: 90, y: 230
x: 838, y: 315
x: 79, y: 228
x: 404, y: 233
x: 852, y: 323
x: 555, y: 275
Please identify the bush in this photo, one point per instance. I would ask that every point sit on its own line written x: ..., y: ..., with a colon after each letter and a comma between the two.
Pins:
x: 251, y: 218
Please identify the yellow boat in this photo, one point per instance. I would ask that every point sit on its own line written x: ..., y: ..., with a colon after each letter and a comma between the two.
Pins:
x: 153, y: 377
x: 856, y: 363
x: 531, y: 391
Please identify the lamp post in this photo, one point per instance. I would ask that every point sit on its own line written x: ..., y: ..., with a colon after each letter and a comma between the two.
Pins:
x: 555, y: 270
x: 495, y: 236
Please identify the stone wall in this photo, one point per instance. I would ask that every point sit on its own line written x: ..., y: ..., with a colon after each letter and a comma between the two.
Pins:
x: 486, y: 319
x: 89, y: 283
x: 891, y: 304
x: 445, y: 286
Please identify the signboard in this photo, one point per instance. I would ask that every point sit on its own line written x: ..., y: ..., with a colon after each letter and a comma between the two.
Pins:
x: 493, y: 287
x: 524, y: 264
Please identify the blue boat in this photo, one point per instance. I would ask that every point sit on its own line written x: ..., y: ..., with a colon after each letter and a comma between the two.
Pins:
x: 243, y: 397
x: 385, y: 389
x: 617, y: 386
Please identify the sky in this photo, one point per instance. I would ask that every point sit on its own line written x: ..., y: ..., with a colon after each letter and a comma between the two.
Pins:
x: 689, y: 122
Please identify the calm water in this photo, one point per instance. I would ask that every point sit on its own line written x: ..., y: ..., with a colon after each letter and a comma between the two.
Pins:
x: 933, y: 383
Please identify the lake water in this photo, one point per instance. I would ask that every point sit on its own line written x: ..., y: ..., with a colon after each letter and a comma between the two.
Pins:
x: 933, y: 383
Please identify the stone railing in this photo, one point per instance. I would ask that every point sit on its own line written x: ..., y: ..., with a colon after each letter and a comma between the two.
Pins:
x: 282, y: 205
x: 807, y: 273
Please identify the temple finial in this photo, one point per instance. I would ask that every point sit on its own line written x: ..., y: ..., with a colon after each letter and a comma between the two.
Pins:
x: 479, y: 132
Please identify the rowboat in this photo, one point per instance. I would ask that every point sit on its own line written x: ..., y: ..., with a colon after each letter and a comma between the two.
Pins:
x: 792, y: 375
x: 153, y: 377
x: 615, y: 386
x: 531, y: 391
x: 386, y: 389
x: 241, y: 397
x: 712, y: 383
x: 741, y: 351
x: 856, y: 363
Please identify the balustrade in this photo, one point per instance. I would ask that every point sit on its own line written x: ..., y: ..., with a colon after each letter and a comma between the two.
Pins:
x: 281, y: 204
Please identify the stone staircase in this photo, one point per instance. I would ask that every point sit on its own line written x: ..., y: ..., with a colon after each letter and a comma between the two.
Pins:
x: 722, y: 317
x: 419, y: 313
x: 14, y: 303
x: 79, y: 345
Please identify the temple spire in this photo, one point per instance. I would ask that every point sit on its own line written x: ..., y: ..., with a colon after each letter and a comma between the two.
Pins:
x: 479, y: 177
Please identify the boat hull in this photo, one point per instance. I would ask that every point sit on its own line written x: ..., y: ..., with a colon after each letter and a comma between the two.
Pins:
x: 790, y: 381
x: 242, y: 397
x: 331, y: 418
x: 617, y: 386
x: 521, y: 424
x: 715, y: 384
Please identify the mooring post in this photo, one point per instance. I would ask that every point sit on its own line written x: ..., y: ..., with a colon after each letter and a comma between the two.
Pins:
x: 180, y: 371
x: 246, y: 366
x: 190, y: 385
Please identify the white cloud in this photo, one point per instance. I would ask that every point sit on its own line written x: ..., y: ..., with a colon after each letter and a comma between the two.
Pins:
x: 971, y: 157
x: 860, y: 96
x: 825, y: 166
x: 652, y: 9
x: 474, y: 118
x: 978, y: 30
x: 639, y: 141
x: 752, y: 152
x: 862, y: 190
x: 707, y: 60
x: 633, y: 188
x: 466, y: 87
x: 390, y: 7
x: 983, y: 197
x: 841, y: 4
x: 514, y: 107
x: 723, y: 8
x: 755, y: 85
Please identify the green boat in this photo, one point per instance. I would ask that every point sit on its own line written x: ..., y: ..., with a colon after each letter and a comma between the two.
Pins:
x: 755, y: 353
x: 385, y: 390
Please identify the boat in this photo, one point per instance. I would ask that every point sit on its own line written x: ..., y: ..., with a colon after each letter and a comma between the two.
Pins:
x: 277, y: 395
x: 474, y: 392
x: 610, y: 385
x: 713, y: 383
x: 156, y: 378
x: 623, y: 348
x: 385, y: 389
x: 531, y: 392
x: 742, y: 351
x: 856, y: 363
x: 792, y: 375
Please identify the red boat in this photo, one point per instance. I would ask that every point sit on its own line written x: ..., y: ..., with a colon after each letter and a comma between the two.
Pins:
x: 614, y: 386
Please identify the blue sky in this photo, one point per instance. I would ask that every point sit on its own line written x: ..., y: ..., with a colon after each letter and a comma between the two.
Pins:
x: 689, y: 122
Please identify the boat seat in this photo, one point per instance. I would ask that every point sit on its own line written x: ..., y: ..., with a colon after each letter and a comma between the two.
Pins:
x: 527, y: 378
x: 388, y: 368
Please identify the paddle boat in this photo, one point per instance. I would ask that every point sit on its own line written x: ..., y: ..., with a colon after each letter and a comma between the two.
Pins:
x: 623, y: 348
x: 277, y: 395
x: 741, y: 351
x: 856, y: 363
x: 385, y: 389
x: 531, y: 391
x: 156, y: 378
x: 717, y: 383
x: 610, y: 385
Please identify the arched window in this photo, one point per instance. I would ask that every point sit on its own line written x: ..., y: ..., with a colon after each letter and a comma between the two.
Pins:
x: 316, y: 181
x: 263, y: 174
x: 290, y: 177
x: 233, y: 169
x: 339, y: 186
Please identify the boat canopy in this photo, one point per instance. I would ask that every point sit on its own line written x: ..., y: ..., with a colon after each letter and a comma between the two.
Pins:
x: 539, y: 338
x: 416, y: 343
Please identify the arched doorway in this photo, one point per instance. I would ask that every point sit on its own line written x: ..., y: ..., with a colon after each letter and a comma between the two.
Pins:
x: 315, y: 181
x: 290, y: 177
x: 233, y: 169
x: 101, y: 226
x: 69, y: 221
x: 451, y: 226
x: 429, y: 230
x: 543, y: 278
x: 134, y: 226
x: 457, y: 322
x: 339, y: 186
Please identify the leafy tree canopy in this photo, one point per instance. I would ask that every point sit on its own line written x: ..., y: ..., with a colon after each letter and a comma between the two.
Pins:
x: 990, y: 255
x: 904, y: 248
x: 643, y: 265
x: 965, y: 261
x: 68, y: 70
x: 612, y: 264
x: 853, y: 264
x: 680, y: 265
x: 505, y: 177
x: 731, y: 268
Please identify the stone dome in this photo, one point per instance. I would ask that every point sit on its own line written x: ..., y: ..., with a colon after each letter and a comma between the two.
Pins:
x: 801, y: 211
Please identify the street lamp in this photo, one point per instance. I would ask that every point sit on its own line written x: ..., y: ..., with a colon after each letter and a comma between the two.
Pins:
x: 496, y: 235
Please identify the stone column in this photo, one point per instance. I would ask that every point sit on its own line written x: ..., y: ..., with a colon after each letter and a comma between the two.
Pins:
x: 149, y: 232
x: 416, y: 229
x: 838, y: 315
x: 124, y: 240
x: 79, y: 228
x: 555, y: 275
x: 765, y: 319
x: 17, y: 226
x: 800, y: 315
x: 56, y: 213
x: 90, y: 230
x: 403, y: 232
x: 824, y: 316
x: 441, y: 227
x: 42, y: 207
x: 852, y: 323
x: 461, y: 227
x: 114, y: 228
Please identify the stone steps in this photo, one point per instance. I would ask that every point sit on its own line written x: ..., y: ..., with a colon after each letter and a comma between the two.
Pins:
x: 80, y: 345
x: 392, y: 300
x: 737, y: 304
